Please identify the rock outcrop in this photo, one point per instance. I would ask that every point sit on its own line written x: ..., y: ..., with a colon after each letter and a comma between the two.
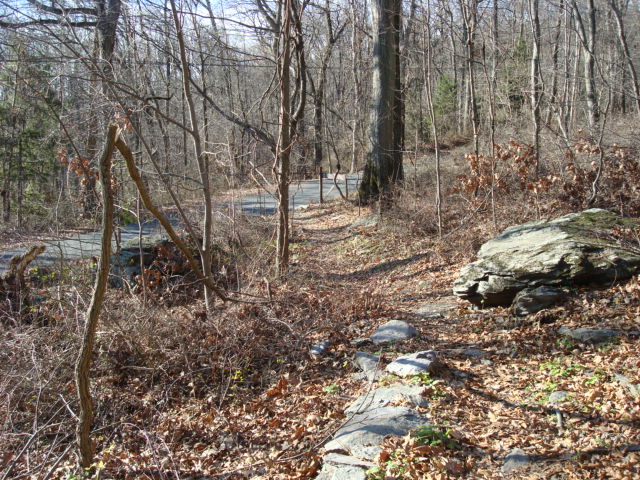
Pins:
x: 574, y: 249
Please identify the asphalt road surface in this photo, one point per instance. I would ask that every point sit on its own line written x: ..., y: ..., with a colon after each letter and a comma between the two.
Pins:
x: 87, y: 245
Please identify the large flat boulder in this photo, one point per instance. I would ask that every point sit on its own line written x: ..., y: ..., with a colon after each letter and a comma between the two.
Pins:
x: 364, y: 432
x: 393, y: 331
x: 574, y: 249
x: 385, y: 396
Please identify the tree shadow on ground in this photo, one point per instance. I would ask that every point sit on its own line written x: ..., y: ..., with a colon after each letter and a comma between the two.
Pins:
x: 383, y: 267
x: 542, y: 410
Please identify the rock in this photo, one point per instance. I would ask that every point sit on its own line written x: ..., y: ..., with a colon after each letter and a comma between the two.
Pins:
x: 339, y: 459
x: 341, y: 472
x: 319, y: 348
x: 634, y: 389
x: 414, y: 364
x: 125, y: 264
x: 557, y: 397
x: 369, y: 364
x: 437, y: 309
x: 371, y: 221
x: 589, y: 335
x: 516, y: 459
x: 363, y: 433
x: 393, y: 331
x: 384, y: 396
x: 574, y: 249
x: 532, y: 300
x: 360, y: 342
x: 474, y: 352
x: 343, y: 467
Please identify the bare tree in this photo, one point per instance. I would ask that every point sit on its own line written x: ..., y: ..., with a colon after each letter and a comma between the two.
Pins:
x: 536, y: 77
x: 317, y: 87
x: 587, y: 32
x: 86, y: 447
x: 622, y: 38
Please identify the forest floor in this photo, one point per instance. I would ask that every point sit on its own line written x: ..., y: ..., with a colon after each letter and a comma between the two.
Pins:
x: 342, y: 285
x: 237, y: 396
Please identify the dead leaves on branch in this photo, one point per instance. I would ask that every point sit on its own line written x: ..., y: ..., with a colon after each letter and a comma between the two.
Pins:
x: 512, y: 167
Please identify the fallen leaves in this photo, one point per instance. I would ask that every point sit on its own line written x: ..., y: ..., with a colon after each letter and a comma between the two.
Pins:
x: 201, y: 397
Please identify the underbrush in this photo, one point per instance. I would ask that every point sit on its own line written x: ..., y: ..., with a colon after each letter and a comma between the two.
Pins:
x: 181, y: 392
x: 154, y: 360
x: 513, y: 186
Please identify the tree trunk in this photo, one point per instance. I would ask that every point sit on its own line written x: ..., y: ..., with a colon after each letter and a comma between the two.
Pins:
x: 470, y: 13
x: 536, y: 79
x: 384, y: 165
x: 318, y: 139
x: 86, y: 447
x: 201, y: 160
x: 355, y: 75
x: 427, y: 67
x: 283, y: 147
x: 587, y: 34
x: 555, y: 50
x: 622, y: 38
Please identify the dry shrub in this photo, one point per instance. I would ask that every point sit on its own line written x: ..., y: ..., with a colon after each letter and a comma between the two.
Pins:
x: 37, y: 393
x: 512, y: 169
x: 615, y: 170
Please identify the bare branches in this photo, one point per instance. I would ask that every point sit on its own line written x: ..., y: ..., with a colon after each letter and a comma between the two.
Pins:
x: 61, y: 10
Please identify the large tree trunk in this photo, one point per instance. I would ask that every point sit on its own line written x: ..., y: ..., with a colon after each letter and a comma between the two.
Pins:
x: 384, y: 163
x: 470, y: 13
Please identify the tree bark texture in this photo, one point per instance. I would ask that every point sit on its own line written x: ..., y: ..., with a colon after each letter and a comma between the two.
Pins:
x: 587, y: 33
x: 622, y: 38
x: 86, y: 448
x: 283, y: 147
x: 536, y: 78
x: 384, y: 162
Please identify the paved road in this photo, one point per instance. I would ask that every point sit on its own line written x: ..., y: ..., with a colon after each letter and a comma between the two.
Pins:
x: 88, y: 244
x: 300, y: 194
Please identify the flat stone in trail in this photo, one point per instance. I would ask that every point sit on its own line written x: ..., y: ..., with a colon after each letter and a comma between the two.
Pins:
x: 414, y: 364
x: 341, y: 472
x: 558, y: 397
x: 343, y: 467
x: 384, y: 396
x: 363, y: 434
x: 438, y: 308
x: 319, y: 348
x: 474, y: 353
x: 393, y: 331
x: 515, y: 460
x: 589, y: 335
x: 369, y: 364
x: 633, y: 389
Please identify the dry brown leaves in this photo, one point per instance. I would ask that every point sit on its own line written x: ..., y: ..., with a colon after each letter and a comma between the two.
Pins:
x: 237, y: 396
